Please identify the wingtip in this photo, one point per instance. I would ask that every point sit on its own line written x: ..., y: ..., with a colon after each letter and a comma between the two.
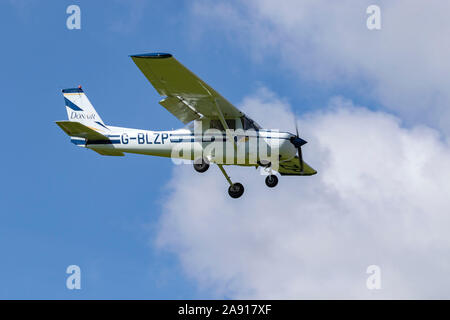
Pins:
x: 152, y: 55
x: 73, y: 90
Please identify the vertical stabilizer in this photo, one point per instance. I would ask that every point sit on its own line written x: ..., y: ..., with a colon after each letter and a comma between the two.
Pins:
x: 80, y: 109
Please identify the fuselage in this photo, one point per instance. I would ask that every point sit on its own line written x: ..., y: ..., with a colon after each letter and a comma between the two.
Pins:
x: 248, y: 147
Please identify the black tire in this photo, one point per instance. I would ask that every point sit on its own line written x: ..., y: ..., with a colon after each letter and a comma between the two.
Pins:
x: 236, y: 190
x: 200, y: 165
x: 271, y: 181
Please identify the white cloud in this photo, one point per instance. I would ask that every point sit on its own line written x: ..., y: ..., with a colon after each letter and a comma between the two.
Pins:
x: 405, y: 65
x: 380, y: 197
x: 132, y: 13
x: 381, y: 194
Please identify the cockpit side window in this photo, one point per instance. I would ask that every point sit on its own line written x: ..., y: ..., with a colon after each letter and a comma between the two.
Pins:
x: 248, y: 124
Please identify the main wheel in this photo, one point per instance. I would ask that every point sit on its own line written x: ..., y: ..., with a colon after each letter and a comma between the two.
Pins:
x: 201, y: 165
x: 271, y: 181
x: 236, y: 190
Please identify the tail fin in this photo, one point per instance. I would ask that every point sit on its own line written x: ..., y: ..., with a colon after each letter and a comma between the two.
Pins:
x: 80, y: 109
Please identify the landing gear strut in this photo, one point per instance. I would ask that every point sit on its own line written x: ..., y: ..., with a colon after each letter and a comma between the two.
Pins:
x: 236, y: 189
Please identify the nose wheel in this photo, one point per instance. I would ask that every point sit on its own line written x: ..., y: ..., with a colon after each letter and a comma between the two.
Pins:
x: 271, y: 180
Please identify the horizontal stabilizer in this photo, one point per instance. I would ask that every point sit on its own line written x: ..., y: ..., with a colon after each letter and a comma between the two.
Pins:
x: 76, y: 129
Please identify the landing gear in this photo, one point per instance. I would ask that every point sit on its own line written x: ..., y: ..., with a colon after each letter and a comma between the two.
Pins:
x: 201, y: 165
x: 271, y: 180
x: 236, y: 189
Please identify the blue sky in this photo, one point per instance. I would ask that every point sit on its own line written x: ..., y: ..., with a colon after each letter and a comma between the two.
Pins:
x: 61, y: 205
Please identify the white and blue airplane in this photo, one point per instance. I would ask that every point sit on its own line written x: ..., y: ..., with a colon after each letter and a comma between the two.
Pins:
x: 210, y: 121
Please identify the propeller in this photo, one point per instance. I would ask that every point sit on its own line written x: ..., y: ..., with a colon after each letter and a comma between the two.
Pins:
x: 298, y: 142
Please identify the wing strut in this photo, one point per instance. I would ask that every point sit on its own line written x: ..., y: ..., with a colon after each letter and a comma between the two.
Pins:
x: 224, y: 123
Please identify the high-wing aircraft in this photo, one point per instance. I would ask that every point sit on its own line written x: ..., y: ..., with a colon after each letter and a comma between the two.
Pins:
x: 216, y: 132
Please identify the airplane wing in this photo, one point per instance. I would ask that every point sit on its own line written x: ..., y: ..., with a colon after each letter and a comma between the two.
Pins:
x: 292, y: 168
x: 187, y: 96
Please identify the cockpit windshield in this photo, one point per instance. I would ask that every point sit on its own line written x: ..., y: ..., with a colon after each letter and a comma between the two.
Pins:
x: 190, y: 126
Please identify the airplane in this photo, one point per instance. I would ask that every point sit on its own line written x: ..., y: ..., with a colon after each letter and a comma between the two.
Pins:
x: 211, y: 123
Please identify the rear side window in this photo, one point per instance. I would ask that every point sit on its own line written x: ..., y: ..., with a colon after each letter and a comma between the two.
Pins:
x: 216, y: 124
